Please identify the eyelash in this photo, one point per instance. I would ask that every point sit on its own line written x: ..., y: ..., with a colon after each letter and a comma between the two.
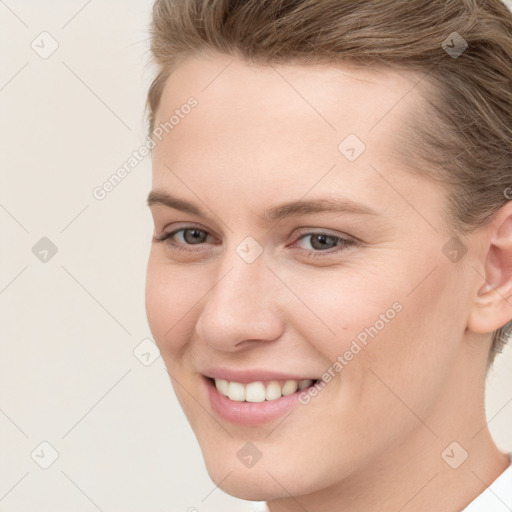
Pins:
x: 343, y: 242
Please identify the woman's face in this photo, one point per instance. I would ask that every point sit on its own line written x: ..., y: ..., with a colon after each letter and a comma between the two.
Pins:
x: 355, y: 283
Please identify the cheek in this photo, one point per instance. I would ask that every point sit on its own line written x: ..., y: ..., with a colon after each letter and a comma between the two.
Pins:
x: 171, y: 295
x: 343, y: 309
x: 410, y: 359
x: 384, y: 322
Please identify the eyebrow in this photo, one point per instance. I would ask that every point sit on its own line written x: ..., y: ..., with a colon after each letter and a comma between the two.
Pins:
x: 274, y: 214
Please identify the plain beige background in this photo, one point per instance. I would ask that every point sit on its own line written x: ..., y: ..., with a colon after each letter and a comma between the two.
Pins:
x: 78, y: 370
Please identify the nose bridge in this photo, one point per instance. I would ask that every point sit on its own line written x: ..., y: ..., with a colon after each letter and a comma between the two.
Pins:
x: 241, y: 304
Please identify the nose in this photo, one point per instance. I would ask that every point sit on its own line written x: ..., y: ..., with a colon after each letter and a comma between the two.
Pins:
x: 242, y: 305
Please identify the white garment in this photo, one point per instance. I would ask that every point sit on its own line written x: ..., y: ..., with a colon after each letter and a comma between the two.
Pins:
x: 496, y: 498
x: 259, y: 506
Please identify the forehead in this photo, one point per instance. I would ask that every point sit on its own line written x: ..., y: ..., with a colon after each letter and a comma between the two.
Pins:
x: 282, y: 124
x: 329, y: 90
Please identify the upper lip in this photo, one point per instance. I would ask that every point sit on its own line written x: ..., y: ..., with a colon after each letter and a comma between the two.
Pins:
x: 251, y: 375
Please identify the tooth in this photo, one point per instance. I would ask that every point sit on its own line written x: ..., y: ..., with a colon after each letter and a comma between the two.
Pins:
x: 305, y: 383
x: 255, y: 392
x: 258, y: 391
x: 273, y: 391
x: 222, y: 386
x: 236, y: 391
x: 290, y: 386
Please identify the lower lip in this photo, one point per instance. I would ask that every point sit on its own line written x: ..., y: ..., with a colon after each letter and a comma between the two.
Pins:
x: 250, y: 413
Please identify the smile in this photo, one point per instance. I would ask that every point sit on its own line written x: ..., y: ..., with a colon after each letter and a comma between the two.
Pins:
x: 254, y: 402
x: 260, y: 391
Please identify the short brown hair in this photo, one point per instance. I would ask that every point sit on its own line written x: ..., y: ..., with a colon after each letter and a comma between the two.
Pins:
x: 465, y: 139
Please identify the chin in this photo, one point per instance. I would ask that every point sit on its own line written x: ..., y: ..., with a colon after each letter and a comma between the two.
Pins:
x: 263, y: 482
x: 248, y: 485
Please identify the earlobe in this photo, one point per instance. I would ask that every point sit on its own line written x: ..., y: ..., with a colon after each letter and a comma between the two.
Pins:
x: 492, y: 306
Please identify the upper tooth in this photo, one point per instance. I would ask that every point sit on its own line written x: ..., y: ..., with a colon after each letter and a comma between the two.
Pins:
x: 222, y: 385
x: 258, y: 391
x: 290, y: 386
x: 236, y: 391
x: 273, y: 390
x: 255, y: 392
x: 305, y: 383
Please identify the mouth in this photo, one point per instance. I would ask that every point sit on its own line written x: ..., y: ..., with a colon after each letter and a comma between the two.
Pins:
x: 257, y: 402
x: 260, y: 391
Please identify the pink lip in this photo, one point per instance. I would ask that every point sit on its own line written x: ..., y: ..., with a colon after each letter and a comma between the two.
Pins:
x: 249, y: 413
x: 246, y: 376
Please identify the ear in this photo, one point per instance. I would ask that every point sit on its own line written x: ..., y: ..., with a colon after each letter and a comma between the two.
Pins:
x: 492, y: 306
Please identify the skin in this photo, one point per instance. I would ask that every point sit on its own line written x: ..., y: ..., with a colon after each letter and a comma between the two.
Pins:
x: 372, y: 439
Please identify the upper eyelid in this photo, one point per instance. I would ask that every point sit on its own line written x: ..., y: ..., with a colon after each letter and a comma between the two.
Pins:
x: 302, y: 230
x: 185, y: 228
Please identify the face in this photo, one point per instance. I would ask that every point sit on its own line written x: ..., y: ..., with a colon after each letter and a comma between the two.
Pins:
x: 300, y: 249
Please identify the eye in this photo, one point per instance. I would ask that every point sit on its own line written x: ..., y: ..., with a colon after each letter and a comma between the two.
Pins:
x: 311, y: 244
x: 321, y: 243
x: 186, y: 236
x: 191, y: 236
